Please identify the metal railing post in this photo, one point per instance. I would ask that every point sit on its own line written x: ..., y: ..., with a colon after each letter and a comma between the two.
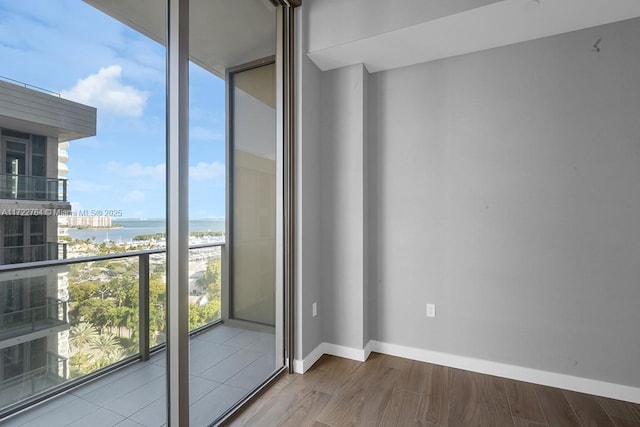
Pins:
x: 143, y: 306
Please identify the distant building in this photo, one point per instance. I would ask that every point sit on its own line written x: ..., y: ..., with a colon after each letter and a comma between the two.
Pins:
x: 34, y: 128
x: 88, y: 221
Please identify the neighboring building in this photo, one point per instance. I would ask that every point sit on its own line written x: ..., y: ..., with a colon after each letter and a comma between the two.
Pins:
x: 33, y: 304
x: 88, y: 221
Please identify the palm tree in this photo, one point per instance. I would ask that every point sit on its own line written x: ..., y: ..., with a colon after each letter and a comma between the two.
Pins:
x: 105, y: 346
x: 82, y: 335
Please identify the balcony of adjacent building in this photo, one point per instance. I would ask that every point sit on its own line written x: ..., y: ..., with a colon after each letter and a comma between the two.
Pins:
x: 28, y: 309
x: 16, y: 187
x: 19, y: 382
x: 20, y: 324
x: 32, y: 253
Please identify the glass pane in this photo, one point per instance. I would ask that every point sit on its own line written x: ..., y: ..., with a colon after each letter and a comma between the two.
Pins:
x: 36, y: 230
x: 205, y: 285
x: 92, y: 144
x: 254, y: 195
x: 238, y: 350
x: 88, y: 313
x: 157, y: 299
x: 103, y: 314
x: 206, y: 193
x: 38, y: 146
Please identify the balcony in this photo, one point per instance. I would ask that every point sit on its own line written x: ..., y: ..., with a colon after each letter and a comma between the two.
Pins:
x: 22, y: 322
x: 33, y: 253
x: 116, y: 337
x: 38, y: 188
x: 226, y: 364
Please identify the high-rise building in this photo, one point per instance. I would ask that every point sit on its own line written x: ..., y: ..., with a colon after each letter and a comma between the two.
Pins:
x: 34, y: 126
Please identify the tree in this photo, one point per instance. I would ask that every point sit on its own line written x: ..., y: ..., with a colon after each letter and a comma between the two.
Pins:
x: 202, y: 314
x: 82, y: 335
x: 105, y: 349
x: 80, y: 365
x: 97, y: 311
x: 80, y: 291
x: 157, y: 305
x: 210, y: 282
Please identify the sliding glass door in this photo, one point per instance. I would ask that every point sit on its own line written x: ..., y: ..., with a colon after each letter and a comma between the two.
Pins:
x: 252, y: 290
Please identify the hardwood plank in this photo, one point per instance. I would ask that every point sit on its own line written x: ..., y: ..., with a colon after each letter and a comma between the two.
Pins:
x: 401, y: 366
x: 478, y: 400
x: 288, y: 391
x: 296, y: 405
x: 363, y: 399
x: 623, y: 422
x: 330, y: 373
x: 620, y: 409
x: 421, y: 423
x: 401, y: 409
x: 379, y: 394
x: 343, y: 411
x: 588, y: 410
x: 392, y: 391
x: 555, y: 407
x: 523, y: 401
x: 347, y: 404
x: 519, y: 422
x: 435, y: 388
x: 418, y: 377
x: 305, y: 410
x: 269, y: 409
x: 266, y: 401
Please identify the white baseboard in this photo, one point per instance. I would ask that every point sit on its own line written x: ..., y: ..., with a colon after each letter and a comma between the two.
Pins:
x: 368, y: 349
x: 345, y: 352
x: 536, y: 376
x: 302, y: 366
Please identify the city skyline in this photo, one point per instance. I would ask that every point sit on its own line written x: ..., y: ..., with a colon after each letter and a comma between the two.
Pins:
x: 122, y: 74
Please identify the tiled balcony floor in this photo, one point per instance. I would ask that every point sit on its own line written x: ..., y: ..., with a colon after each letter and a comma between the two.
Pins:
x: 226, y: 364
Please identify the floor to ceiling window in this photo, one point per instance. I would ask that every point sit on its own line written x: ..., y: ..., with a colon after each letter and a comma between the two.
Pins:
x: 238, y: 43
x: 84, y: 198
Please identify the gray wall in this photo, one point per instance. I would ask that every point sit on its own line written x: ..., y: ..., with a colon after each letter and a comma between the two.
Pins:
x: 309, y: 207
x: 366, y: 211
x: 342, y: 205
x: 507, y: 191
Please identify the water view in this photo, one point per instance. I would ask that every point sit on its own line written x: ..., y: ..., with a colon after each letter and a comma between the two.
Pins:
x: 124, y: 230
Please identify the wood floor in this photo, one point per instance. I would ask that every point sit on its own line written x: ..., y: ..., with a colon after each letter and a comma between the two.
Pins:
x: 391, y: 391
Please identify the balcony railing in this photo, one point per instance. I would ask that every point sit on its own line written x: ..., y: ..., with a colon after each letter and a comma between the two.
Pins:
x: 27, y: 187
x: 33, y: 253
x: 18, y: 322
x: 34, y: 381
x: 116, y: 309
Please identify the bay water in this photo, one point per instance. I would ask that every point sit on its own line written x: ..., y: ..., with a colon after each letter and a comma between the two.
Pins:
x: 124, y: 230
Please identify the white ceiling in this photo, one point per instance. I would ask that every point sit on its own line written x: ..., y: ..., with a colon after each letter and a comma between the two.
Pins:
x: 227, y: 33
x: 498, y: 24
x: 223, y: 33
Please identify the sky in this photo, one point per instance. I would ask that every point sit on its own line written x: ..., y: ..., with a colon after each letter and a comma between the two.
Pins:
x: 68, y: 47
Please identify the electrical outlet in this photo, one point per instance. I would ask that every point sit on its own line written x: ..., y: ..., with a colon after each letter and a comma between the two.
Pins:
x: 431, y: 310
x: 314, y: 309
